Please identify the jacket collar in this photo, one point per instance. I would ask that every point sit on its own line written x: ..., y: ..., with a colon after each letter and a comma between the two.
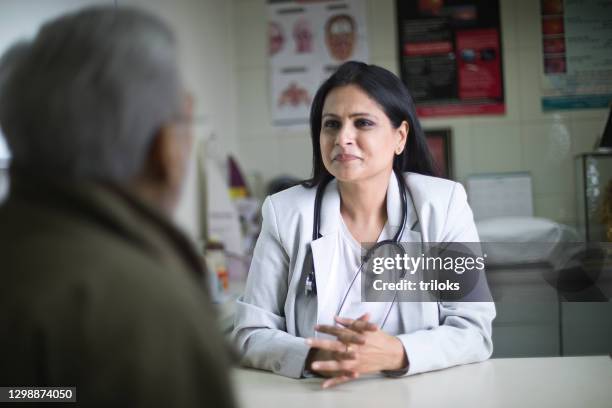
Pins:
x: 330, y: 208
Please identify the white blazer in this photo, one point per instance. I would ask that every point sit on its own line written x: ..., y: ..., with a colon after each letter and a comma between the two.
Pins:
x: 270, y: 313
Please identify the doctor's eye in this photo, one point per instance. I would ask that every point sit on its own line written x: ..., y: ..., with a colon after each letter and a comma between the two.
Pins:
x: 361, y: 123
x: 332, y: 124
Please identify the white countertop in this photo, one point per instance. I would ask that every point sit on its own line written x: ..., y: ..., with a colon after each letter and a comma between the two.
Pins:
x: 518, y: 382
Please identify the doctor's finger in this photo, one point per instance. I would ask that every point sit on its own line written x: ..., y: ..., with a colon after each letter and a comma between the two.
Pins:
x: 356, y: 325
x: 345, y: 355
x: 364, y: 317
x: 324, y: 344
x: 334, y: 365
x: 332, y: 382
x: 343, y: 334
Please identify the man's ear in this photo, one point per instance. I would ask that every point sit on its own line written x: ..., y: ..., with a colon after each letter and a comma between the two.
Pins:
x: 168, y: 156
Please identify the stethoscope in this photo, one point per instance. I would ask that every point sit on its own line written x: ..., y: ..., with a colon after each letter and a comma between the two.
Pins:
x: 310, y: 286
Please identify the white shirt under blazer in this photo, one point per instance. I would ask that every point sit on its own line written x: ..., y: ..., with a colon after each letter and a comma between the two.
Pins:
x: 270, y: 326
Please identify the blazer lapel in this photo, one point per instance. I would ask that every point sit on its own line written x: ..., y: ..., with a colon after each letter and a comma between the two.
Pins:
x: 324, y: 253
x: 394, y: 212
x: 325, y: 263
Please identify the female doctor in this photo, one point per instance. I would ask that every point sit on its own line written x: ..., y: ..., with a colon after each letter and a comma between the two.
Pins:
x: 301, y: 312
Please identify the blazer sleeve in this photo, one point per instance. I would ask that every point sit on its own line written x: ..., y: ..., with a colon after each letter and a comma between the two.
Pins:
x: 259, y: 326
x: 464, y: 332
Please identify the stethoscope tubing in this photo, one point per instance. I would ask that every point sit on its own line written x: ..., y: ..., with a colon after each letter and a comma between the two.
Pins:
x: 310, y: 278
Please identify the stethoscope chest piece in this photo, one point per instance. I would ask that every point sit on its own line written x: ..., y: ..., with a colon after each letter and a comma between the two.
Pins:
x: 310, y: 286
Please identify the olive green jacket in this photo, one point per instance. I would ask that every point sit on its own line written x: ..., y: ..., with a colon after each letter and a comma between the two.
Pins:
x: 100, y: 292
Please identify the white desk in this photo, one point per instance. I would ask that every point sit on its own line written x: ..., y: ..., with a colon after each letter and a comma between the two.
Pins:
x: 519, y: 382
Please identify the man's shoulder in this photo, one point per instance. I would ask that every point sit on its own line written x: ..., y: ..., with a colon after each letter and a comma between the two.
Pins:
x: 53, y: 252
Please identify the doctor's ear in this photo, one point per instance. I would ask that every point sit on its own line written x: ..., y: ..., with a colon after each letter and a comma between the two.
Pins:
x: 403, y: 131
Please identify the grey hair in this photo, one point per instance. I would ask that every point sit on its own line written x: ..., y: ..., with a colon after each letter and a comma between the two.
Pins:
x: 85, y: 98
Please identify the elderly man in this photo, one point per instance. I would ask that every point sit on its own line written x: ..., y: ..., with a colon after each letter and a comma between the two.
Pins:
x: 98, y: 290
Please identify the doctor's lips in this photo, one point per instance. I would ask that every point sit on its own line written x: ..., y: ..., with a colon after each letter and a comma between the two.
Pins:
x: 345, y: 157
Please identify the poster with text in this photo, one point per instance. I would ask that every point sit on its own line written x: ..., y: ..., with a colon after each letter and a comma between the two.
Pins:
x: 577, y: 54
x: 451, y: 56
x: 307, y: 41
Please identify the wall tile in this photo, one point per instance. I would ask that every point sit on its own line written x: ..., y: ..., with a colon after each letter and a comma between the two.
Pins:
x: 584, y: 134
x: 508, y: 14
x: 390, y: 64
x: 529, y: 86
x: 598, y: 115
x: 251, y: 22
x: 462, y: 152
x: 547, y: 154
x: 496, y: 149
x: 382, y: 29
x: 528, y: 24
x: 260, y: 155
x: 557, y: 207
x: 253, y: 110
x: 296, y: 155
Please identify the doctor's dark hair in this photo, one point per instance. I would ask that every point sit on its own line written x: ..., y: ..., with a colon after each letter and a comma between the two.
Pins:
x: 394, y: 99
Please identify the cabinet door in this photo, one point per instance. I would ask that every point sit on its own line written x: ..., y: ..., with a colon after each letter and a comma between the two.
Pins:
x: 527, y: 321
x: 586, y: 328
x: 526, y: 330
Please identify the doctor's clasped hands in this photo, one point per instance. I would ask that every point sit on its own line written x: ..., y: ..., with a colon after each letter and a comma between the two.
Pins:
x: 360, y: 347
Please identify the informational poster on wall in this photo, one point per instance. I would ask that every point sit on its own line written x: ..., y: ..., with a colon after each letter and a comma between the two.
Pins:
x: 307, y: 41
x: 577, y: 54
x: 451, y: 56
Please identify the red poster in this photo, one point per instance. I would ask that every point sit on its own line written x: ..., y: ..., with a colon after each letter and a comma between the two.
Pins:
x: 451, y: 56
x: 479, y: 64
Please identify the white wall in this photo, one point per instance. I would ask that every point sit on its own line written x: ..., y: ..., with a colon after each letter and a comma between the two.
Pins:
x: 206, y: 37
x: 20, y: 20
x: 525, y: 139
x: 205, y: 34
x: 224, y: 55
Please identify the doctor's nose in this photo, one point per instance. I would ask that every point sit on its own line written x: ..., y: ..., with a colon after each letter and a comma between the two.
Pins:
x: 345, y: 136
